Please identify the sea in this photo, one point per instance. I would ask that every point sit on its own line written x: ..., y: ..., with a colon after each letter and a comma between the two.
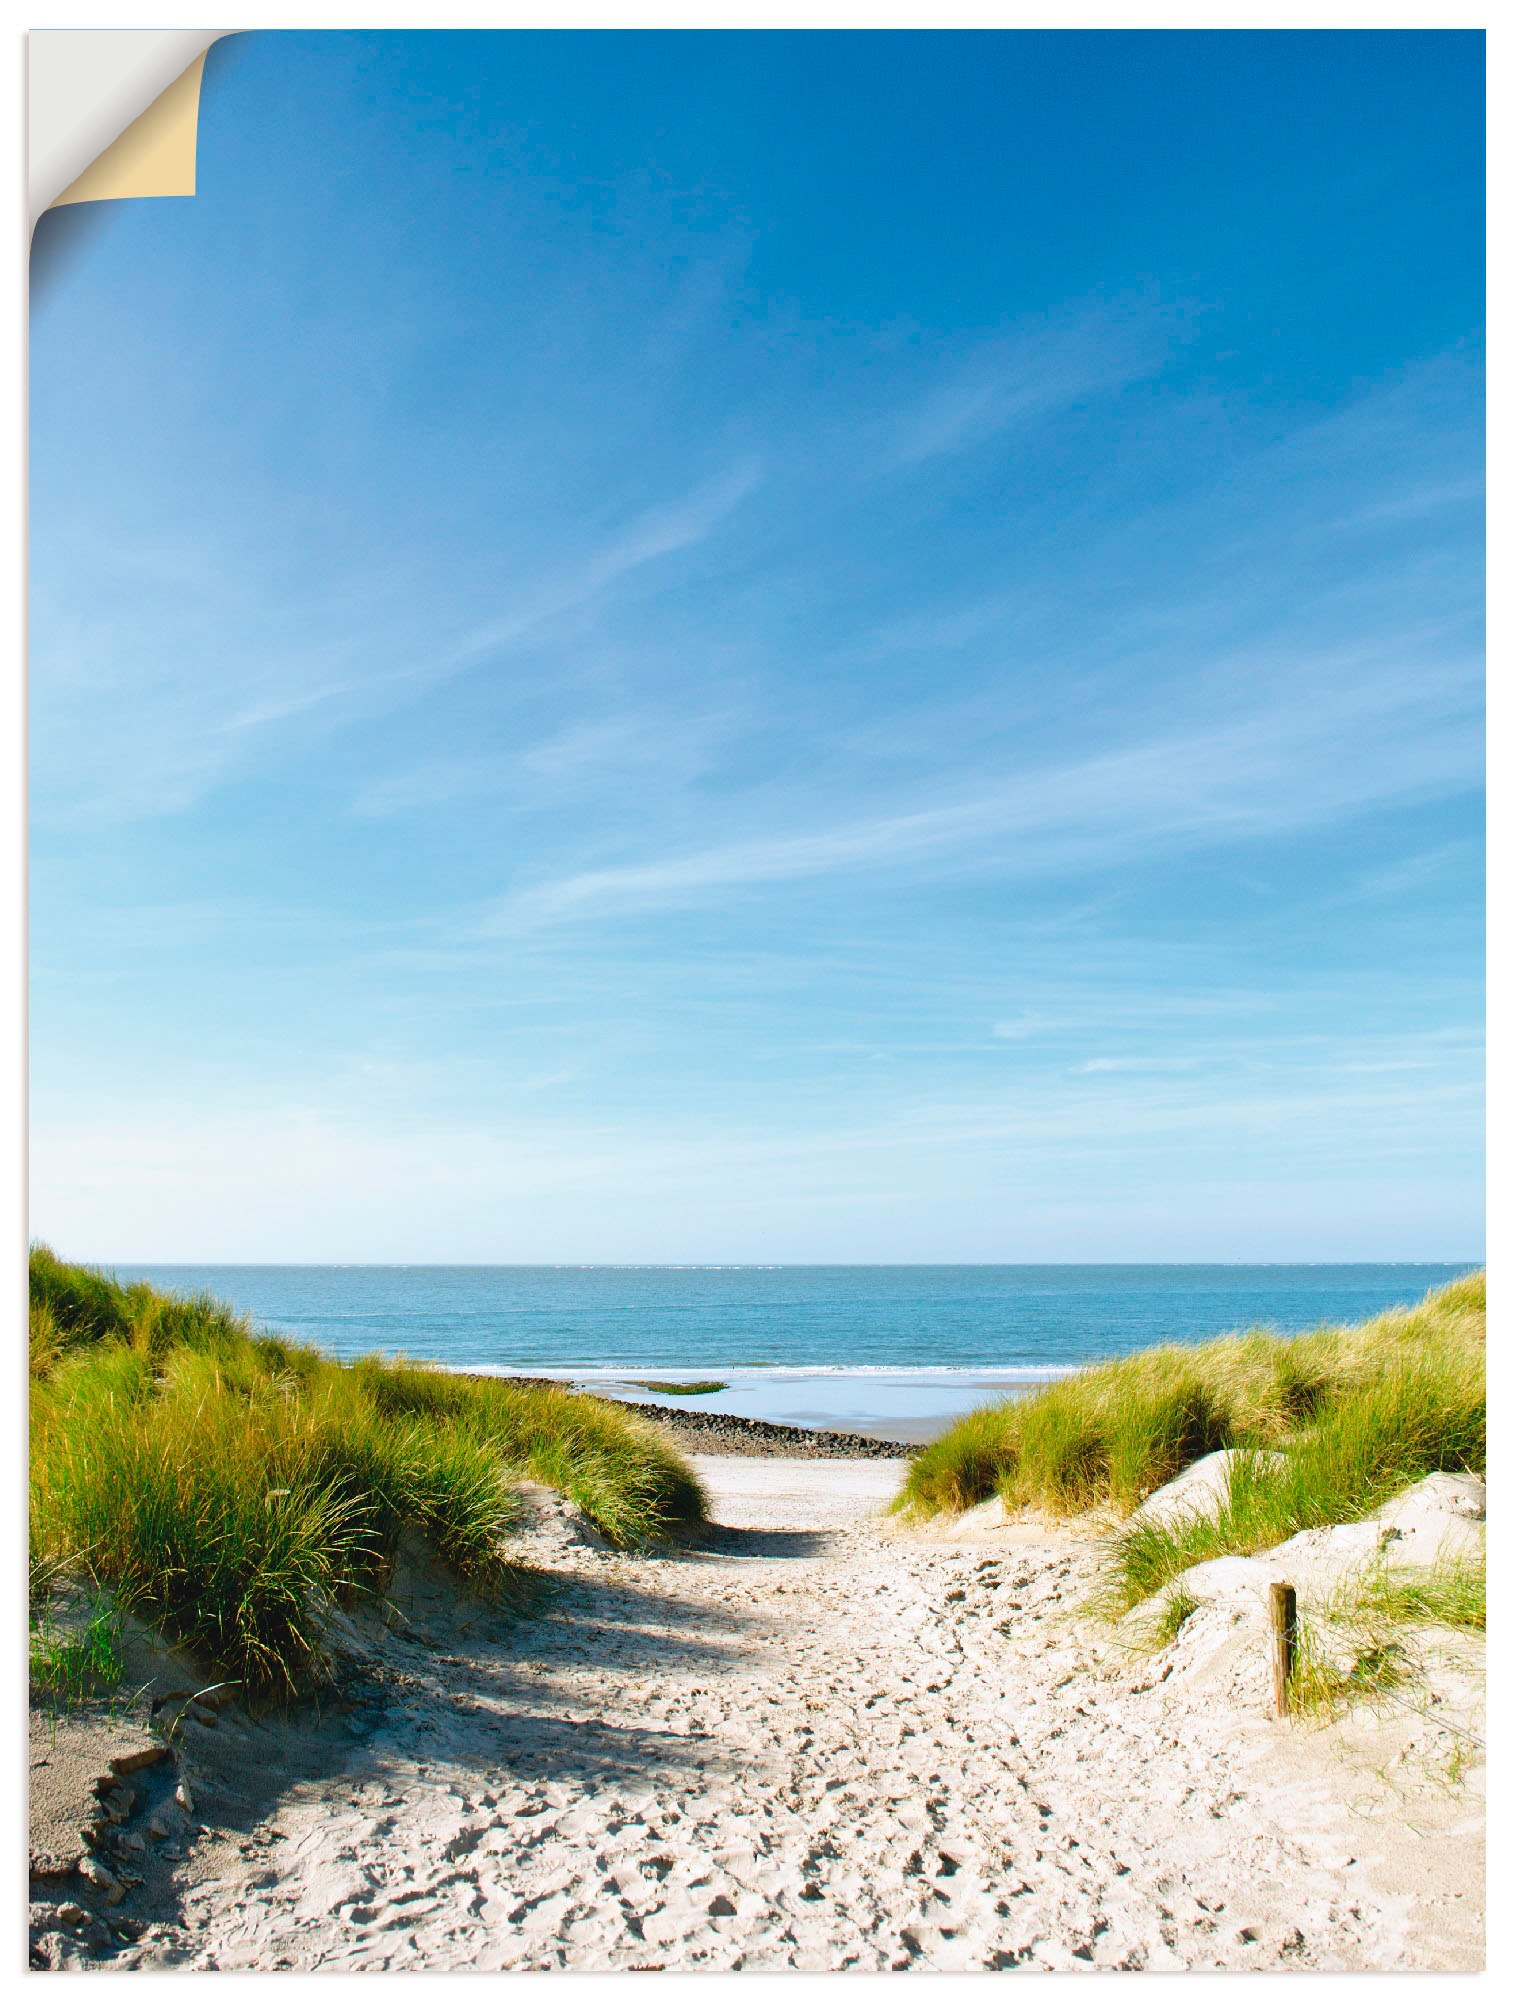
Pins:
x: 889, y: 1350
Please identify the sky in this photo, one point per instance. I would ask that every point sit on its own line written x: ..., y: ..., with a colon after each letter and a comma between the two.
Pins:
x: 835, y: 647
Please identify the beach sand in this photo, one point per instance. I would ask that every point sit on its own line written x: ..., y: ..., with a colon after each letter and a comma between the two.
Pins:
x: 817, y: 1741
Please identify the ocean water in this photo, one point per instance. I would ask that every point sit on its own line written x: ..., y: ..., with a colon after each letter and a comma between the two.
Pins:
x: 894, y: 1349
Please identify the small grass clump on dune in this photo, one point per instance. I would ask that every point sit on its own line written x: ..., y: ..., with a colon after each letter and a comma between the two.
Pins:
x: 1355, y: 1412
x: 225, y: 1485
x: 1357, y: 1646
x: 1177, y: 1608
x: 1455, y: 1594
x: 68, y: 1666
x: 1327, y: 1677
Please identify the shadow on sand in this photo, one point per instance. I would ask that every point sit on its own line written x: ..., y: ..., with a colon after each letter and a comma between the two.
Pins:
x: 459, y: 1687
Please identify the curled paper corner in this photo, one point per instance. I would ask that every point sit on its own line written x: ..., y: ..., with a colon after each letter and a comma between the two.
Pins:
x: 113, y: 114
x: 155, y: 155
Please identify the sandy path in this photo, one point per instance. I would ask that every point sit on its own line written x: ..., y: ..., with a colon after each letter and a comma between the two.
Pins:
x: 811, y: 1746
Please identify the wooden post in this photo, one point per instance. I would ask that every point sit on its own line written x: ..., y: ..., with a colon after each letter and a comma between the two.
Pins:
x: 1282, y: 1620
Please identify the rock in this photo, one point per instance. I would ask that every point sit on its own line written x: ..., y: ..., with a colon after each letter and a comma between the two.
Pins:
x: 138, y: 1757
x: 179, y: 1695
x: 750, y: 1437
x: 1200, y: 1489
x: 95, y: 1871
x: 183, y: 1795
x: 44, y: 1864
x: 72, y: 1914
x: 181, y: 1708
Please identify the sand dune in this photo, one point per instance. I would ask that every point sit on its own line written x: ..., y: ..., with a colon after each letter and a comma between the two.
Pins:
x: 820, y: 1743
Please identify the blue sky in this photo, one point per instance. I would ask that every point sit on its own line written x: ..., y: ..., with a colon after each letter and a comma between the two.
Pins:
x: 769, y: 647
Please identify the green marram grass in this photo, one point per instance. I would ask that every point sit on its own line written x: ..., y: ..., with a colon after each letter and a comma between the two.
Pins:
x: 67, y: 1666
x: 224, y: 1485
x: 1356, y: 1646
x: 1355, y: 1413
x: 1453, y: 1593
x: 1178, y: 1607
x: 1325, y: 1680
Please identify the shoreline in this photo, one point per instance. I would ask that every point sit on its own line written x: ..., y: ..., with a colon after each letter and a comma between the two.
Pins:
x: 719, y: 1434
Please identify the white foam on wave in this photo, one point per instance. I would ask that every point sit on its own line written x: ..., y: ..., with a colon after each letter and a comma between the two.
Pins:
x: 770, y: 1372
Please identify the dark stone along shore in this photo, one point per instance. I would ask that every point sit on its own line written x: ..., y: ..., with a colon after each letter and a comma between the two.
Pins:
x: 741, y: 1437
x: 750, y: 1437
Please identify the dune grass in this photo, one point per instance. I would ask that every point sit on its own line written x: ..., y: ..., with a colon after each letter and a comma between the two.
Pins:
x: 1327, y: 1678
x: 1178, y: 1607
x: 1448, y: 1593
x: 1355, y: 1412
x: 67, y: 1666
x: 1420, y: 1415
x: 226, y: 1485
x: 1357, y: 1646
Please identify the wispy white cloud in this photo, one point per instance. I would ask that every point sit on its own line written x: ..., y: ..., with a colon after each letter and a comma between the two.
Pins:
x: 1259, y: 774
x: 224, y: 668
x: 432, y: 782
x: 1020, y: 1028
x: 650, y: 537
x: 1136, y: 1065
x: 1415, y: 502
x: 610, y: 753
x: 1030, y: 372
x: 1412, y: 872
